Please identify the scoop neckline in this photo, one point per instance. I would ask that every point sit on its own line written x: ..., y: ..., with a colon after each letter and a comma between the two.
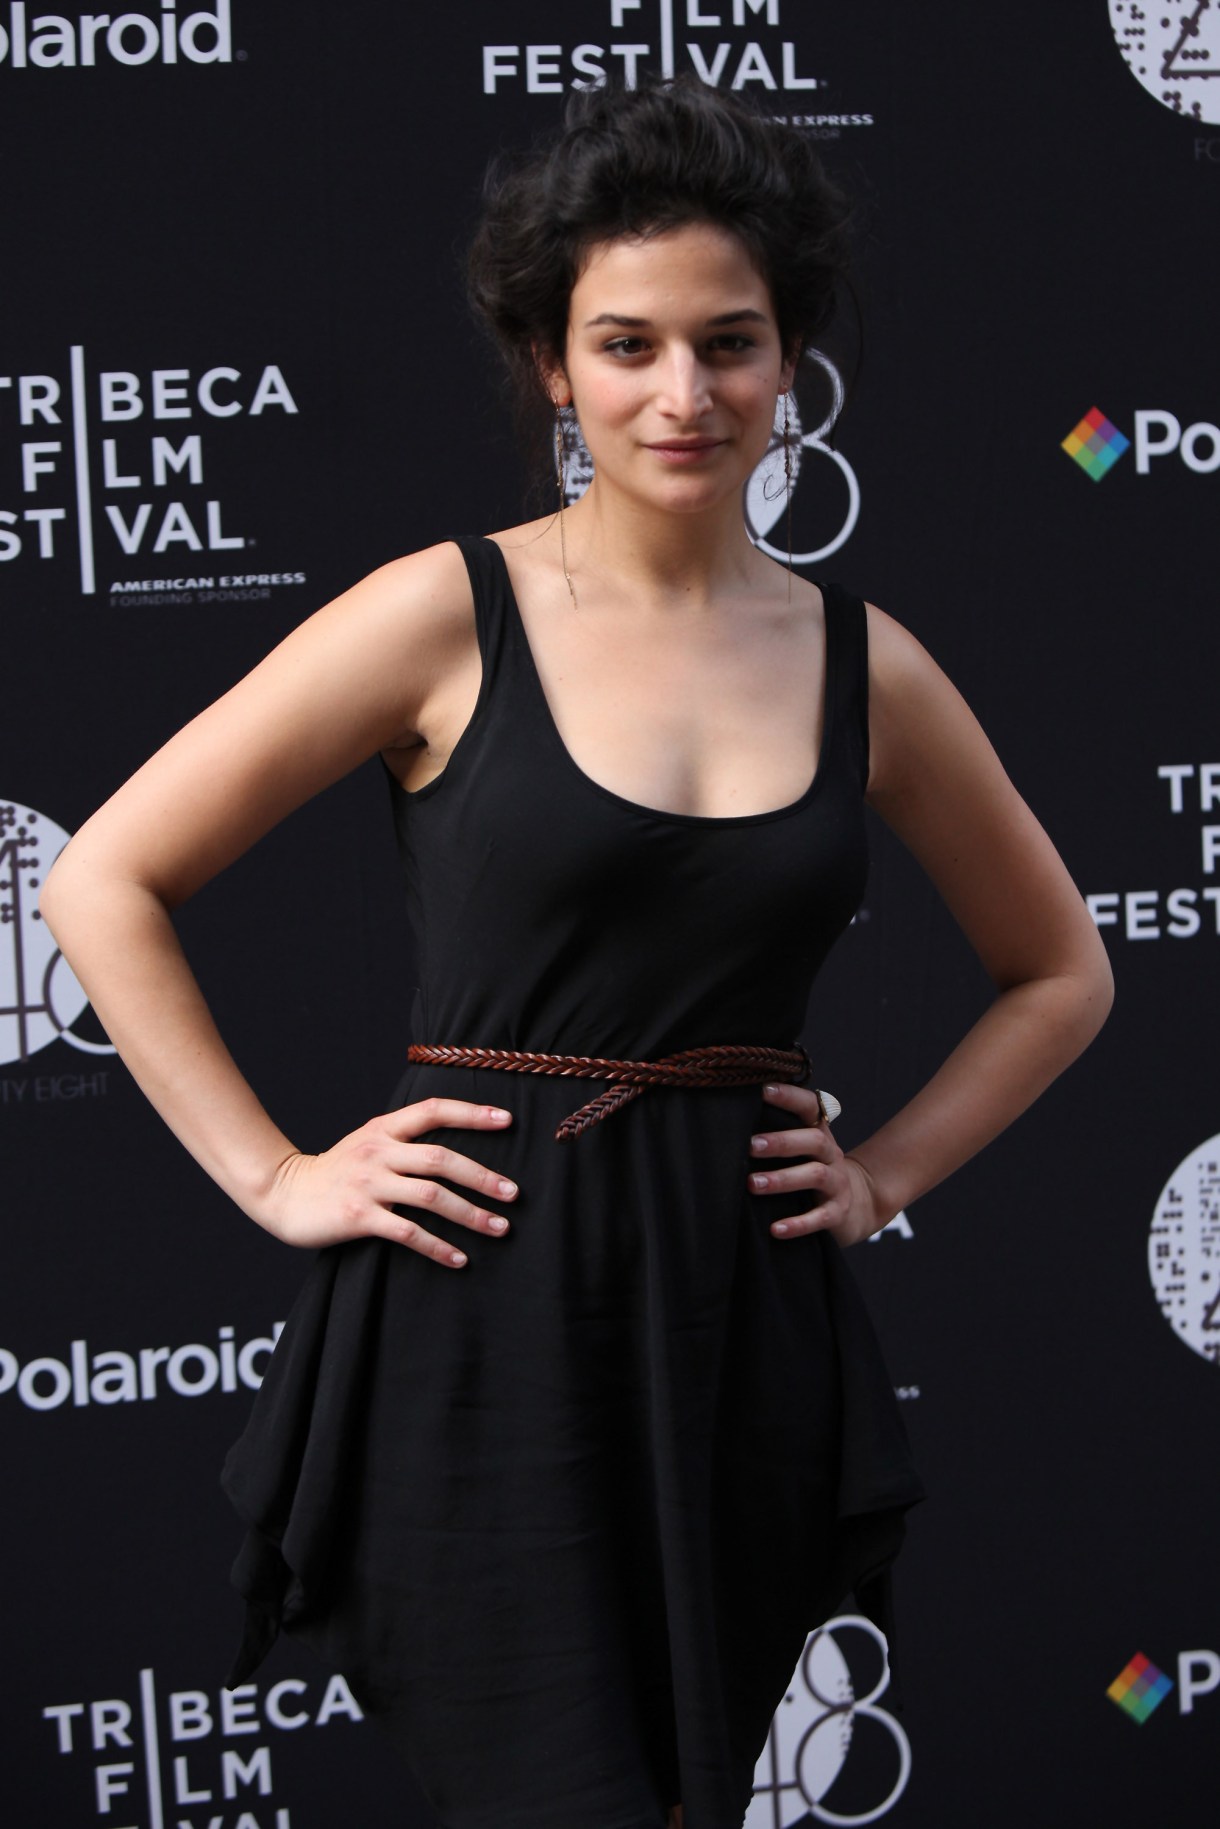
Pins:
x: 663, y: 813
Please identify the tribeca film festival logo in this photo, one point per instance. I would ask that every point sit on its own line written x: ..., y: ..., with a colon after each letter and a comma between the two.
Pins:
x: 146, y: 471
x: 1096, y: 444
x: 52, y: 42
x: 107, y: 1378
x: 1178, y: 914
x: 1140, y: 1688
x: 1172, y: 48
x: 140, y: 1779
x: 805, y: 1769
x: 657, y: 36
x: 1184, y: 1250
x: 40, y: 996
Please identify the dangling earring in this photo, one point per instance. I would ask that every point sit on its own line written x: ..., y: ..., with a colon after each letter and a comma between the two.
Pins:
x: 788, y: 484
x: 560, y: 440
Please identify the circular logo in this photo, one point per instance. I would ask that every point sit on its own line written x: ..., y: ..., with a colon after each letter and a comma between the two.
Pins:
x: 1184, y: 1250
x: 39, y: 994
x: 768, y: 489
x: 1172, y: 49
x: 806, y: 1768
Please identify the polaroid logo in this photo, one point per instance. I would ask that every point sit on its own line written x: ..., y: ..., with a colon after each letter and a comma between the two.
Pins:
x: 1140, y: 1688
x: 1160, y: 434
x: 49, y: 41
x: 1095, y: 443
x: 150, y: 1372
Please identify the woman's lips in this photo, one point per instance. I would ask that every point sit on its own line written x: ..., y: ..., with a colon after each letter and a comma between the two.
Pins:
x: 688, y: 451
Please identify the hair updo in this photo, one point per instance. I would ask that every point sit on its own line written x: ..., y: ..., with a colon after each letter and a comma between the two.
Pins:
x: 637, y: 162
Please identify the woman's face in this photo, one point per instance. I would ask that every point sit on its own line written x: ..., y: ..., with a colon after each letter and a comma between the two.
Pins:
x: 674, y: 365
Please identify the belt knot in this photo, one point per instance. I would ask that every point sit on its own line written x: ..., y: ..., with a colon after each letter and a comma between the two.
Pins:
x: 727, y: 1065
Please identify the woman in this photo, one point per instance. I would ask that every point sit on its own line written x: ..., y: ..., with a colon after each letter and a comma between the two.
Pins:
x: 565, y: 1518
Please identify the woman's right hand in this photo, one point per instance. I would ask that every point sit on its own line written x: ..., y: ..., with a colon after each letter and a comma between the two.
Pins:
x: 351, y: 1190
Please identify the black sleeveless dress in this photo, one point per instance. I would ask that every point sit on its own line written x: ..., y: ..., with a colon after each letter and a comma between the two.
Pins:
x: 565, y: 1517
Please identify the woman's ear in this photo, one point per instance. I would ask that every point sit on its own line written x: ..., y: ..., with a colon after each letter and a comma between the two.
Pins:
x: 551, y: 374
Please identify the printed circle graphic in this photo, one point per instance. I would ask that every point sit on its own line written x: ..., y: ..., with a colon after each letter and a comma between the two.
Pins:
x: 766, y: 496
x: 1172, y: 49
x: 814, y: 1731
x: 1184, y: 1250
x: 40, y: 996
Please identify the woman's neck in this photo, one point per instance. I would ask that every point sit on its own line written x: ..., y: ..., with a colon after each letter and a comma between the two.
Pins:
x: 661, y: 556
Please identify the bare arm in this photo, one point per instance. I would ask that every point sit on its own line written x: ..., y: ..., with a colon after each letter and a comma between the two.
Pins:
x: 938, y: 784
x: 384, y: 662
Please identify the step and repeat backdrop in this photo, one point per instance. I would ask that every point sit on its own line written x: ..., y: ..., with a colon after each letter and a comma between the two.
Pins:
x: 236, y: 373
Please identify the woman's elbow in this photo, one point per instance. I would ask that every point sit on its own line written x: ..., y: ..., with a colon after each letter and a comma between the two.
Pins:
x: 70, y: 889
x: 1093, y: 986
x: 56, y: 893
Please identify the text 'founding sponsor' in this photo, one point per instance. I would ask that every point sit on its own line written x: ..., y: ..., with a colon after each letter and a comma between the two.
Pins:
x: 130, y: 1743
x: 51, y: 41
x: 548, y: 69
x: 114, y: 1377
x: 1184, y: 913
x: 58, y: 453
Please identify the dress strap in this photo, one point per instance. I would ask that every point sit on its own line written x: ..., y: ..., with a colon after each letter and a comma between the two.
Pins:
x: 847, y: 676
x: 489, y: 583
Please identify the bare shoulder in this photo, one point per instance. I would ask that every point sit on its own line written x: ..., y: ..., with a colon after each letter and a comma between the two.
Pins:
x: 920, y: 726
x: 395, y: 637
x: 424, y: 593
x: 524, y: 536
x: 532, y: 559
x: 895, y: 656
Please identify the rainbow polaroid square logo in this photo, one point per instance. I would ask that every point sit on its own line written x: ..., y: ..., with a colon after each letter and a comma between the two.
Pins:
x: 1096, y: 444
x: 1140, y: 1688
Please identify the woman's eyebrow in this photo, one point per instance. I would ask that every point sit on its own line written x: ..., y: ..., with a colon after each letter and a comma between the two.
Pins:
x: 724, y: 317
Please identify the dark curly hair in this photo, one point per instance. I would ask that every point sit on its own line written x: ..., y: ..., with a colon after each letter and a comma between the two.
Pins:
x: 638, y: 162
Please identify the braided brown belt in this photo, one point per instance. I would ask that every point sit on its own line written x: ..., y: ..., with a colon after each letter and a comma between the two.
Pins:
x: 714, y: 1066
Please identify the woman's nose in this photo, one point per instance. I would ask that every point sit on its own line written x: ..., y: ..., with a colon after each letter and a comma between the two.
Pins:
x: 684, y: 390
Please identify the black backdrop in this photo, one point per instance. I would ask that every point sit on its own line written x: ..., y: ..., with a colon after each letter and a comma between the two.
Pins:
x: 287, y: 205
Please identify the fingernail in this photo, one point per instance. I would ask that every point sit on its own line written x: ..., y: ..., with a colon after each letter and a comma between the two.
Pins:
x: 500, y: 1117
x: 457, y: 1257
x: 507, y: 1188
x: 780, y: 1226
x: 758, y: 1145
x: 760, y: 1181
x: 497, y: 1224
x: 769, y: 1091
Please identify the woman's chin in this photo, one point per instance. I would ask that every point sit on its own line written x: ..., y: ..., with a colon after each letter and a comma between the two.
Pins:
x: 678, y: 491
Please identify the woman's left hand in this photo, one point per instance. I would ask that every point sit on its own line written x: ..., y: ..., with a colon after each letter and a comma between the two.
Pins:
x: 846, y: 1206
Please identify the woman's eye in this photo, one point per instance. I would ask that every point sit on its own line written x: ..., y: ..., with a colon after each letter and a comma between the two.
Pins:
x: 730, y: 343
